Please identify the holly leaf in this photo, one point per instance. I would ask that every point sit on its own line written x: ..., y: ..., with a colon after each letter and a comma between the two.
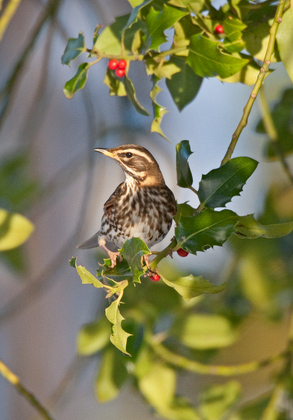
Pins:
x: 133, y: 251
x: 87, y: 277
x: 131, y: 94
x: 247, y: 75
x: 77, y: 82
x: 184, y: 175
x: 74, y: 48
x: 184, y: 209
x: 205, y: 331
x: 248, y: 228
x: 93, y: 337
x: 207, y: 60
x: 109, y: 41
x: 15, y: 229
x: 158, y: 21
x: 112, y: 375
x: 115, y: 85
x: 189, y: 287
x: 205, y: 230
x: 183, y: 85
x: 220, y: 185
x: 285, y: 41
x: 118, y: 337
x: 158, y: 110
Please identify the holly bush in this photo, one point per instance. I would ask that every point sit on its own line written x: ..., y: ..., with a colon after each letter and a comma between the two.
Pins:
x: 182, y: 322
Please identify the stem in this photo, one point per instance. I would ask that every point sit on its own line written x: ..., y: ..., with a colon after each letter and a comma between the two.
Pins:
x: 258, y: 83
x: 203, y: 369
x: 7, y: 15
x: 272, y: 132
x: 14, y: 380
x: 153, y: 264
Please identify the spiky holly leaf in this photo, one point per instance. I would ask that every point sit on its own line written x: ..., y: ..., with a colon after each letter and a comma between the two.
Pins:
x: 184, y: 175
x: 189, y: 287
x: 109, y: 40
x: 131, y: 94
x: 183, y: 85
x: 77, y: 82
x: 115, y: 85
x: 207, y: 60
x: 73, y: 49
x: 133, y: 251
x: 184, y: 209
x: 118, y: 337
x: 158, y: 110
x: 207, y: 229
x: 218, y: 187
x: 158, y: 21
x: 248, y: 228
x: 15, y: 229
x: 87, y: 277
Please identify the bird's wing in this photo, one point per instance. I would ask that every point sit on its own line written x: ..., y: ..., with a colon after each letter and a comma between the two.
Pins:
x: 113, y: 198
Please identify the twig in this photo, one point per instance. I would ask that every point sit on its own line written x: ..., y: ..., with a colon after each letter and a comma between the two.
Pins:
x: 260, y: 78
x: 272, y: 132
x: 204, y: 369
x: 14, y: 380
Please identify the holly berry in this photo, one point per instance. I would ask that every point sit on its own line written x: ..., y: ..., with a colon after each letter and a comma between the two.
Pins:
x: 219, y: 30
x: 120, y: 72
x: 182, y: 253
x: 122, y: 64
x: 113, y: 64
x: 155, y: 277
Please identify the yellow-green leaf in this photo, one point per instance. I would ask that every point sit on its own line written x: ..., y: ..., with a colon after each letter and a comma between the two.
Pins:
x: 14, y: 230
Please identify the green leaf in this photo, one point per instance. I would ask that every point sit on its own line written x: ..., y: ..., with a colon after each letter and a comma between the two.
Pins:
x: 77, y: 82
x: 247, y: 75
x: 206, y: 60
x: 93, y: 337
x: 282, y: 118
x: 248, y: 228
x: 189, y: 287
x: 131, y: 94
x: 216, y: 400
x: 15, y: 229
x: 220, y: 185
x: 252, y: 410
x: 87, y: 277
x: 184, y: 209
x: 158, y: 386
x: 183, y: 85
x: 285, y: 41
x: 112, y: 375
x: 74, y: 48
x: 118, y: 337
x: 184, y: 175
x: 158, y: 21
x: 203, y: 332
x: 133, y: 251
x: 256, y: 38
x: 158, y: 110
x: 115, y: 85
x: 109, y: 41
x: 205, y: 230
x: 135, y: 13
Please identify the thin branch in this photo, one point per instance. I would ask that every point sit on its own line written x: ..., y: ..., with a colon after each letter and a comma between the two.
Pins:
x: 14, y: 380
x: 259, y: 81
x: 176, y: 359
x: 272, y: 132
x: 7, y: 15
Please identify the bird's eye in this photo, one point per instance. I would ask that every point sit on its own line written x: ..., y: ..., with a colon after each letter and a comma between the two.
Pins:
x: 128, y: 154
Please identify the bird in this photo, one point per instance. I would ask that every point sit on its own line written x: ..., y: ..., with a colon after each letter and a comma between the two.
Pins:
x: 142, y: 206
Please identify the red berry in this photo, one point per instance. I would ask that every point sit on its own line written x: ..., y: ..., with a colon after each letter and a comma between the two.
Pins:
x: 120, y: 72
x: 155, y: 277
x: 182, y: 253
x: 219, y: 30
x: 113, y: 64
x: 122, y: 64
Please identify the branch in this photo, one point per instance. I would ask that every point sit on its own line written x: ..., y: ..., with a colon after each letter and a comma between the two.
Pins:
x: 7, y: 15
x: 258, y: 83
x: 14, y: 380
x: 203, y: 369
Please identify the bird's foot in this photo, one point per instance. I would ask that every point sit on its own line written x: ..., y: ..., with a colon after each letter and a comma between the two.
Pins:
x: 113, y: 257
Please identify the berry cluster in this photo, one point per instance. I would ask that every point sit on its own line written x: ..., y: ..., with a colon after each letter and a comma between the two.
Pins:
x: 118, y: 66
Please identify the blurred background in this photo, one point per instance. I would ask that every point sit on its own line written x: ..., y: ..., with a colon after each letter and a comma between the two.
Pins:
x: 60, y: 184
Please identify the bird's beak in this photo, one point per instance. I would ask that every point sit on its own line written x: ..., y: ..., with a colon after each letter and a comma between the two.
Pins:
x: 106, y: 152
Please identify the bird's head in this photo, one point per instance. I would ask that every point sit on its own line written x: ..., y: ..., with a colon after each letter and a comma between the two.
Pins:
x: 137, y: 163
